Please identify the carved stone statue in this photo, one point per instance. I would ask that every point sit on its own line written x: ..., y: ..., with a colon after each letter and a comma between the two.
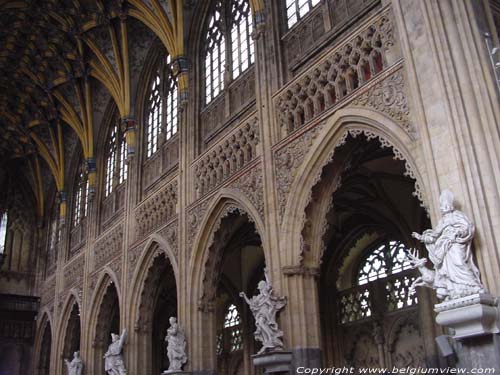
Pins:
x: 176, y: 348
x: 113, y: 359
x: 75, y: 367
x: 264, y: 308
x: 449, y: 247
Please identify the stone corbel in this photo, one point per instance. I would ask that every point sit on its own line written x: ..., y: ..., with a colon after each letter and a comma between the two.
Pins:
x: 129, y: 128
x: 301, y: 270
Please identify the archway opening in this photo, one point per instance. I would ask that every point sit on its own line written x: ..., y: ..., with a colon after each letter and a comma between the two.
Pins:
x: 237, y: 265
x: 158, y: 304
x: 360, y: 219
x: 108, y: 322
x: 73, y: 333
x: 45, y: 351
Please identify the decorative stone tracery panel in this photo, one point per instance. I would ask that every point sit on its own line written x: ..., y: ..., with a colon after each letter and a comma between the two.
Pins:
x: 251, y: 184
x: 48, y: 291
x: 73, y: 272
x: 228, y: 156
x: 157, y: 209
x: 348, y: 67
x: 108, y: 247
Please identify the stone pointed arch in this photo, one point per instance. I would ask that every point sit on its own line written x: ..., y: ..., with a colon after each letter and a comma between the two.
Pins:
x: 222, y: 205
x: 225, y: 201
x: 72, y: 301
x: 154, y: 246
x: 95, y: 346
x: 148, y: 282
x: 348, y: 121
x: 44, y: 324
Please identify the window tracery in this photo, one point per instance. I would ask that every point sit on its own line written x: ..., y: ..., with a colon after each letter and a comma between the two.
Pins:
x: 81, y: 197
x: 116, y: 159
x: 297, y: 9
x: 383, y: 271
x: 230, y: 338
x: 229, y: 47
x: 161, y: 108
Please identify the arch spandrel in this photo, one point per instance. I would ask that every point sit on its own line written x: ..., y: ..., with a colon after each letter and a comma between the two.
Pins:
x: 345, y: 122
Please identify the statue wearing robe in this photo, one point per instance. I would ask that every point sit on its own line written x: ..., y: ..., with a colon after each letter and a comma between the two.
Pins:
x: 113, y: 359
x: 449, y: 247
x: 264, y: 308
x: 176, y: 348
x: 74, y: 367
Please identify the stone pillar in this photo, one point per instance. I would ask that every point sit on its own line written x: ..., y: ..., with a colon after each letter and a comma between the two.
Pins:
x: 302, y: 323
x: 474, y: 324
x: 91, y: 176
x: 129, y: 129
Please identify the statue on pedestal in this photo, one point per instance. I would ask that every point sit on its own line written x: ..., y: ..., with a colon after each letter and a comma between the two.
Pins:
x: 449, y: 247
x: 176, y: 348
x: 264, y: 308
x: 113, y: 359
x: 75, y: 367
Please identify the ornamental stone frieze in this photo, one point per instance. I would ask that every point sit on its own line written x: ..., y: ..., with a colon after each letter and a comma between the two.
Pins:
x: 328, y: 83
x: 157, y: 209
x: 73, y: 272
x: 194, y: 218
x: 389, y: 96
x: 108, y: 247
x: 227, y: 157
x: 251, y: 185
x: 170, y: 234
x: 48, y: 290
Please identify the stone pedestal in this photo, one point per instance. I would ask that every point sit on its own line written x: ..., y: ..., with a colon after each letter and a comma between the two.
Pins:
x: 176, y: 372
x: 276, y: 363
x: 475, y: 324
x: 472, y: 316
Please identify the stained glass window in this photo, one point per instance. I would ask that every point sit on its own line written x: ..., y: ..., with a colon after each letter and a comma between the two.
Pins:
x: 154, y: 116
x: 232, y: 328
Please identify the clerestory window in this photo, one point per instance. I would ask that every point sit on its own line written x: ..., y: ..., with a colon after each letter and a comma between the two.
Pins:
x: 297, y: 9
x: 116, y: 159
x: 229, y: 47
x: 161, y: 108
x: 81, y: 194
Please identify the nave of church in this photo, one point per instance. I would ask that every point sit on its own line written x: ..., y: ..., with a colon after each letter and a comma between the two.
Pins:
x: 247, y: 187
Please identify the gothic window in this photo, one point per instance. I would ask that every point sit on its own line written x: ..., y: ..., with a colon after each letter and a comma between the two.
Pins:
x: 116, y: 159
x: 228, y: 45
x: 229, y: 338
x: 162, y: 108
x: 383, y: 271
x: 81, y: 197
x: 154, y: 115
x: 3, y: 231
x: 297, y: 9
x: 232, y: 326
x: 387, y: 259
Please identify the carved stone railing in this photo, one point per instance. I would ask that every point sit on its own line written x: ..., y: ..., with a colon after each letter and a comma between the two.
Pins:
x: 160, y: 163
x: 345, y: 69
x: 388, y: 294
x: 157, y: 209
x: 108, y: 246
x: 229, y: 155
x: 320, y: 26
